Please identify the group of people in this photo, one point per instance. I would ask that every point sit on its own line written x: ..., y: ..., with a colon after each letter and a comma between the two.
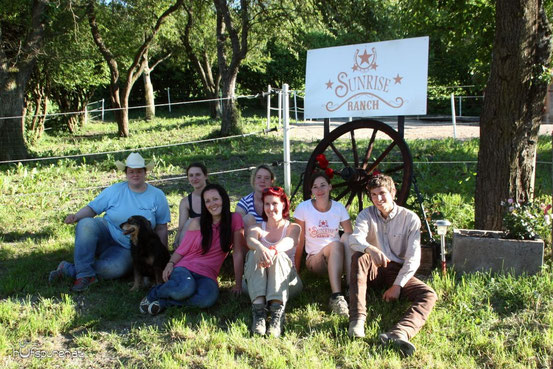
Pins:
x: 382, y: 250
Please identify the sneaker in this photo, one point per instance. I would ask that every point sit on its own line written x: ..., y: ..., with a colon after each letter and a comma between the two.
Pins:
x: 399, y: 341
x: 356, y: 328
x: 59, y: 273
x: 154, y: 308
x: 276, y: 326
x: 143, y: 307
x: 259, y: 318
x: 338, y: 305
x: 82, y: 284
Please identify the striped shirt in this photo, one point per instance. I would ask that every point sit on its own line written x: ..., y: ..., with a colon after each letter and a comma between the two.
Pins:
x: 246, y: 204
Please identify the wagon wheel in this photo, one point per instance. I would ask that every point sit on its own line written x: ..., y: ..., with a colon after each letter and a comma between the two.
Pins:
x: 355, y: 150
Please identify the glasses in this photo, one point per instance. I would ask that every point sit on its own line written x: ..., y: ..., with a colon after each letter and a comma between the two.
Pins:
x: 274, y: 189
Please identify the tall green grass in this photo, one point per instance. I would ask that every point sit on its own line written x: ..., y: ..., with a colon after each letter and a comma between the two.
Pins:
x: 480, y: 321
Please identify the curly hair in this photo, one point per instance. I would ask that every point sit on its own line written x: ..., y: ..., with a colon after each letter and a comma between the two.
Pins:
x: 381, y: 180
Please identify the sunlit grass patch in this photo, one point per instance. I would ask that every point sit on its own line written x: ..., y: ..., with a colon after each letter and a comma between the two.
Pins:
x: 480, y: 320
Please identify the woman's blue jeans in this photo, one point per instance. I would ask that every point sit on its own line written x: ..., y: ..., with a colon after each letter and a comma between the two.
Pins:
x: 185, y: 288
x: 97, y: 253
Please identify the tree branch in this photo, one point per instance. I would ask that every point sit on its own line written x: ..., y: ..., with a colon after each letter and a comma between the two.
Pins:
x: 106, y: 53
x: 133, y: 74
x: 34, y: 38
x: 161, y: 60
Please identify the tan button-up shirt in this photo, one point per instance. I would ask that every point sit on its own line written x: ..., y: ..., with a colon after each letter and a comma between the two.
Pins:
x: 398, y: 237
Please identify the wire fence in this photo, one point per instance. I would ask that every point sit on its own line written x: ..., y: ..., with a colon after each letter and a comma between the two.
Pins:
x: 136, y: 149
x: 133, y: 107
x: 271, y: 92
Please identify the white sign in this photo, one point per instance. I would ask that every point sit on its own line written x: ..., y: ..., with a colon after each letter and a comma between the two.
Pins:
x: 376, y: 79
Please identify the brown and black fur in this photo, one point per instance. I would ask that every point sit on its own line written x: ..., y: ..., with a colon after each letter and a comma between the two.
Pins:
x: 149, y: 254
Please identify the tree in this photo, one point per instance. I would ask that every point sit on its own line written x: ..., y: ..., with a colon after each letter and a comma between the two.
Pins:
x: 229, y: 29
x: 68, y: 70
x: 511, y: 115
x: 120, y: 88
x: 200, y: 48
x: 149, y: 96
x: 21, y: 35
x: 242, y: 27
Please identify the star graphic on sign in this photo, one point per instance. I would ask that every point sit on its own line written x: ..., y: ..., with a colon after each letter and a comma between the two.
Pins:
x: 373, y: 66
x: 365, y: 57
x: 397, y: 79
x: 329, y: 84
x: 354, y: 68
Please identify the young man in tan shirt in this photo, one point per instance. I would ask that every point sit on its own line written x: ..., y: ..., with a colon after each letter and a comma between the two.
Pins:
x: 386, y: 246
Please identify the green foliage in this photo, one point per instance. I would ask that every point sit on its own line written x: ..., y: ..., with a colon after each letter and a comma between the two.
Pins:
x: 527, y: 221
x: 461, y: 34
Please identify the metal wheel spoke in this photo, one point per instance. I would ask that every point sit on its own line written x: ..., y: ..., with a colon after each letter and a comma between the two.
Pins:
x: 354, y: 148
x: 339, y: 154
x: 369, y: 150
x: 381, y: 157
x: 350, y: 199
x: 395, y: 169
x: 338, y: 185
x: 342, y: 194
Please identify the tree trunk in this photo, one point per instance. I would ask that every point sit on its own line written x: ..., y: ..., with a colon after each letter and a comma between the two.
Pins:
x: 149, y: 94
x: 231, y: 114
x: 237, y: 34
x: 124, y: 113
x: 38, y: 105
x: 215, y: 111
x: 12, y: 141
x: 15, y: 72
x: 39, y: 130
x: 512, y: 109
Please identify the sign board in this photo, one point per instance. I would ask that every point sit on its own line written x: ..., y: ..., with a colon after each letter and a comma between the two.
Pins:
x: 364, y: 80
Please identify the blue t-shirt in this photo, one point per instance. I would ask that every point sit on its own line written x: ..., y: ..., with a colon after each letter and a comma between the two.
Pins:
x: 120, y: 203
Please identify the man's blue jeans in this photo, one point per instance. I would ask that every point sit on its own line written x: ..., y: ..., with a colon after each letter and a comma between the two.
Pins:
x: 97, y: 253
x: 185, y: 288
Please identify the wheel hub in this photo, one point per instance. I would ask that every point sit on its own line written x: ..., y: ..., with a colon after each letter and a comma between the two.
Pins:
x: 356, y: 178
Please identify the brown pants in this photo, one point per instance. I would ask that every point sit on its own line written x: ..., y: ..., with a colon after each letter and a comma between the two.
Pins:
x: 364, y: 273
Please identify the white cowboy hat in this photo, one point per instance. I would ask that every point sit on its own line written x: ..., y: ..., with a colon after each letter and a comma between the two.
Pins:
x: 134, y: 160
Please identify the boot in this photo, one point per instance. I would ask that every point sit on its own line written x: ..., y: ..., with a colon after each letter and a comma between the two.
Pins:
x: 259, y: 317
x: 276, y: 326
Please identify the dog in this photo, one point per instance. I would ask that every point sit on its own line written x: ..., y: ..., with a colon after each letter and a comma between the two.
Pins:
x: 149, y: 254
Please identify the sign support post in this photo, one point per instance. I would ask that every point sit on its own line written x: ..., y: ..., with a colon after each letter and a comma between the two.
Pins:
x: 286, y: 128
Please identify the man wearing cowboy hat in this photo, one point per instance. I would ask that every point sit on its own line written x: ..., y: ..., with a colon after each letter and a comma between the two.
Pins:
x: 101, y: 248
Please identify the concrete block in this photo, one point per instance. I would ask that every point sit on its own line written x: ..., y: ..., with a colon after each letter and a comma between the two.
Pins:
x: 477, y: 250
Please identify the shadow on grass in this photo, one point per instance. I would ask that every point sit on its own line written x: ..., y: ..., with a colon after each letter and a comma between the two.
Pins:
x: 16, y: 236
x: 110, y: 307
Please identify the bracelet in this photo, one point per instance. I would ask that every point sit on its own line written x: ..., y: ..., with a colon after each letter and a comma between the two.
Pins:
x: 172, y: 262
x: 274, y: 249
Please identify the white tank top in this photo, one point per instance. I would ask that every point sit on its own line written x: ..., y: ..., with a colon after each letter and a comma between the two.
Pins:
x: 291, y: 253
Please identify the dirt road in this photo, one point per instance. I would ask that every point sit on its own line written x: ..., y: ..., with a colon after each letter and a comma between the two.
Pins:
x: 414, y: 129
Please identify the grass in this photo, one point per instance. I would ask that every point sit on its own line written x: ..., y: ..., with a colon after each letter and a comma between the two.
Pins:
x: 480, y: 320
